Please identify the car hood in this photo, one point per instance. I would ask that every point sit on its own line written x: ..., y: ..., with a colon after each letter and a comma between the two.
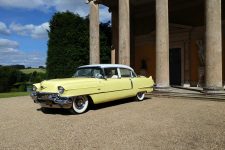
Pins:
x: 68, y: 84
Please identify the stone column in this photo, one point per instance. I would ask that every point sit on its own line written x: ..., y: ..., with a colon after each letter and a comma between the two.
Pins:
x: 162, y: 45
x: 113, y: 55
x: 124, y: 32
x: 213, y: 54
x: 94, y: 32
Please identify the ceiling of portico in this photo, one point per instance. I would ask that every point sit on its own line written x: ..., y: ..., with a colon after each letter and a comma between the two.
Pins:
x: 185, y: 12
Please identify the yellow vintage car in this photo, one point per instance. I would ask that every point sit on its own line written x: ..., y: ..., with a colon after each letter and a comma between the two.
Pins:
x: 91, y: 84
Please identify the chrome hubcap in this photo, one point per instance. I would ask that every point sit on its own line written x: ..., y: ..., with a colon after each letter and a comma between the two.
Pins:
x: 139, y: 95
x: 79, y: 102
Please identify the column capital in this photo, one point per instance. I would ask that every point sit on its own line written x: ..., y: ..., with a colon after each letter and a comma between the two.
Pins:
x: 95, y: 1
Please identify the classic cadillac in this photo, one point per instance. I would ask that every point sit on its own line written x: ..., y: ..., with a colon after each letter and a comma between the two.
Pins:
x: 91, y: 84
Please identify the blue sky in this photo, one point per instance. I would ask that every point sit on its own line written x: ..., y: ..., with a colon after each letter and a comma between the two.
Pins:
x: 24, y: 25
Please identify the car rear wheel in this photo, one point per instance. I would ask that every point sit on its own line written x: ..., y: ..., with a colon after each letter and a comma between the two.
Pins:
x: 140, y: 96
x: 80, y: 104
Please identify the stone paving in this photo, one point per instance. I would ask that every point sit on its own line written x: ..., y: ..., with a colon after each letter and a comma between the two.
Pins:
x: 157, y: 123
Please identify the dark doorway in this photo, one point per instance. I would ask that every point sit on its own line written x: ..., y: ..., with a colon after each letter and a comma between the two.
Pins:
x: 175, y: 66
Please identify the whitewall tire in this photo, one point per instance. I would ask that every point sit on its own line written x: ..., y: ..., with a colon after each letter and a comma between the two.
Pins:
x: 80, y: 104
x: 140, y: 96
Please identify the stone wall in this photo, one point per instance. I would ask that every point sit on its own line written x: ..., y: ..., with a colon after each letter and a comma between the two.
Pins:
x: 183, y: 37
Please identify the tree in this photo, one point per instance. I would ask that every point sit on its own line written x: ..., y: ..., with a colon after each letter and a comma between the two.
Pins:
x: 41, y: 67
x: 8, y: 77
x: 68, y: 45
x: 105, y: 42
x: 17, y: 66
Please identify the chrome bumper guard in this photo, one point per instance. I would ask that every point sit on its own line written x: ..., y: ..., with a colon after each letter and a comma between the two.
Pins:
x: 51, y: 100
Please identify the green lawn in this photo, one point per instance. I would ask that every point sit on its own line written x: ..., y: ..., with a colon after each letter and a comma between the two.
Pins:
x: 27, y: 71
x: 13, y: 94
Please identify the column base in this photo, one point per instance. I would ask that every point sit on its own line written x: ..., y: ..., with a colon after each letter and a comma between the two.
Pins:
x: 162, y: 88
x: 213, y: 90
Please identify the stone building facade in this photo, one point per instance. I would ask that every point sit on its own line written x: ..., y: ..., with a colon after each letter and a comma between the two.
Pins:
x: 178, y: 42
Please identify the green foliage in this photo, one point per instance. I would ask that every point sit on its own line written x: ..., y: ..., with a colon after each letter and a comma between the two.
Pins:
x: 68, y: 45
x: 105, y: 42
x: 31, y: 70
x: 8, y: 77
x: 37, y: 77
x: 13, y: 94
x: 14, y: 80
x: 22, y: 88
x: 17, y: 66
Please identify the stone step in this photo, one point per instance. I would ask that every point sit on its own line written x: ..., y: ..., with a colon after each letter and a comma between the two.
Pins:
x: 187, y: 95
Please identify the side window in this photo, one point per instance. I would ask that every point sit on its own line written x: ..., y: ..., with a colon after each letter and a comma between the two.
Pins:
x: 111, y: 73
x: 126, y: 73
x: 133, y: 74
x: 97, y: 73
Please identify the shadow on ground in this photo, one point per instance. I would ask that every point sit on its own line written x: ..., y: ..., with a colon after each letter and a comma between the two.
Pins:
x: 91, y: 107
x: 56, y: 111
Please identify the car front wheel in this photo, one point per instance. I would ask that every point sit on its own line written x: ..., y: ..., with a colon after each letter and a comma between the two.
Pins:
x: 80, y: 104
x: 140, y: 96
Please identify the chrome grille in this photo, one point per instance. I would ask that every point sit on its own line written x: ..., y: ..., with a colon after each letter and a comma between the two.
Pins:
x: 47, y: 96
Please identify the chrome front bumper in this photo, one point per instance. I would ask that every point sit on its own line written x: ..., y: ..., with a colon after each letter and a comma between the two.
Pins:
x: 51, y: 100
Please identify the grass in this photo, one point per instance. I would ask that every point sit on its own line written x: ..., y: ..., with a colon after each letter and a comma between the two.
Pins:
x: 13, y: 94
x: 28, y: 71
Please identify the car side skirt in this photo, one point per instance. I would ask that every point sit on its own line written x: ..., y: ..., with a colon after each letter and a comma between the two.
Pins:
x: 116, y: 95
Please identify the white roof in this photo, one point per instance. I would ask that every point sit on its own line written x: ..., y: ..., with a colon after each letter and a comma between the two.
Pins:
x: 107, y: 66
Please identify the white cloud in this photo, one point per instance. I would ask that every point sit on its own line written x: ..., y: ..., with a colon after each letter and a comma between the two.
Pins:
x: 21, y: 29
x: 76, y: 6
x: 28, y: 4
x: 5, y: 43
x: 10, y: 54
x: 80, y: 7
x: 32, y: 59
x: 3, y: 29
x: 35, y: 31
x: 104, y: 14
x: 41, y: 31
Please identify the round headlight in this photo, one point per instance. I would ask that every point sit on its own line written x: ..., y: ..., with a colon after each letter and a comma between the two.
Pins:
x: 34, y: 88
x: 61, y: 89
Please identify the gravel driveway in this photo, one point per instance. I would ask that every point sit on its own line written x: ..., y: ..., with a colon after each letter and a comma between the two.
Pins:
x: 157, y: 123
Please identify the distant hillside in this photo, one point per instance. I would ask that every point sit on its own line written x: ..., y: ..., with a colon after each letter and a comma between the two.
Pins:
x: 28, y: 71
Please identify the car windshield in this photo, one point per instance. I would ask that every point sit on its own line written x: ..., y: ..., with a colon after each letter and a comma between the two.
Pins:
x: 89, y: 73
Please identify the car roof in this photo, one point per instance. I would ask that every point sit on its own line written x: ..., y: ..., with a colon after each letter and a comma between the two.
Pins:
x: 107, y: 66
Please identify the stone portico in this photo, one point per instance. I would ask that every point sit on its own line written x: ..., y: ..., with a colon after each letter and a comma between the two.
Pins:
x: 178, y: 42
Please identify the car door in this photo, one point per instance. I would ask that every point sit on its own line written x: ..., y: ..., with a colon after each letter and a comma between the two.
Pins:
x: 113, y: 86
x: 114, y: 82
x: 126, y: 76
